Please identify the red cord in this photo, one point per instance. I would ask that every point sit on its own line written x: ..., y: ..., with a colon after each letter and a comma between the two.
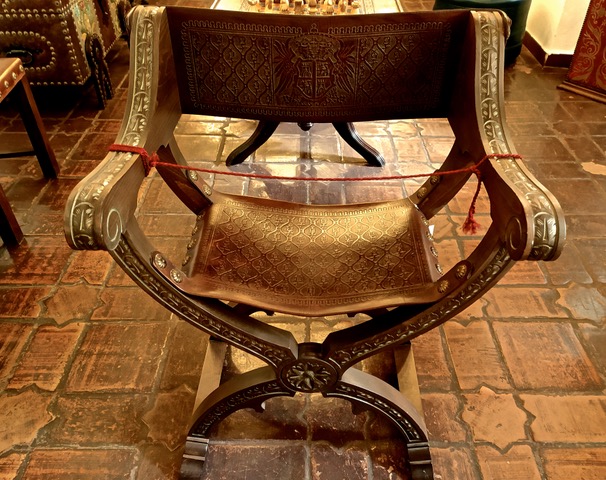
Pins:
x: 148, y: 160
x: 470, y: 225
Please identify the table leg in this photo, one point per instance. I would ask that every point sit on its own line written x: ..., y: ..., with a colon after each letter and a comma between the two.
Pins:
x: 9, y: 227
x: 99, y: 69
x: 35, y: 129
x: 264, y: 130
x: 350, y: 135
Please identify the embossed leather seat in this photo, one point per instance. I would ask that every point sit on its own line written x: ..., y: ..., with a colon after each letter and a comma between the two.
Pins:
x: 260, y: 254
x: 307, y: 258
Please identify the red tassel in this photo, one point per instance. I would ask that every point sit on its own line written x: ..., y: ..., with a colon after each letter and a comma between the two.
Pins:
x: 471, y: 225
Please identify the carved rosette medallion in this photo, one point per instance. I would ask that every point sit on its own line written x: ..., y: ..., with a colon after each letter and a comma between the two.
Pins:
x: 309, y: 375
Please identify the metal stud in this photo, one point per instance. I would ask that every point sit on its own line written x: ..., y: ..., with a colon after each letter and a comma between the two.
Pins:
x: 434, y: 252
x: 461, y: 271
x: 206, y: 190
x: 159, y: 261
x: 439, y: 269
x: 176, y: 275
x: 443, y: 286
x: 193, y: 176
x: 421, y: 192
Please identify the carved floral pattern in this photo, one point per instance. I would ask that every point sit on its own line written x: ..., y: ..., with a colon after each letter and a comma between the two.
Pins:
x: 288, y: 71
x: 588, y: 66
x: 310, y: 375
x: 84, y: 207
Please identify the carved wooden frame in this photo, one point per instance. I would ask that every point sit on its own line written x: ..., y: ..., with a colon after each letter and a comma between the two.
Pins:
x: 527, y: 225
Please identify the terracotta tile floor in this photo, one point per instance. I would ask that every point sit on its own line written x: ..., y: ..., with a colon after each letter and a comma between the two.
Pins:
x: 97, y: 381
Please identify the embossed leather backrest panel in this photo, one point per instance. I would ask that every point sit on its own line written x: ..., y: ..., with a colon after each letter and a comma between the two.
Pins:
x: 316, y: 68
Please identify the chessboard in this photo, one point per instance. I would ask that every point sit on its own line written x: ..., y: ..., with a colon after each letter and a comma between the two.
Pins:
x: 310, y: 7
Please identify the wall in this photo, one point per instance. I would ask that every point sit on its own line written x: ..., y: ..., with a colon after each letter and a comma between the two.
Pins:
x: 556, y: 24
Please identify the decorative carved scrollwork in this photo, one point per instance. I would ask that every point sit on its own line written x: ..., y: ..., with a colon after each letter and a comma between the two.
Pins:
x: 85, y: 204
x: 412, y: 432
x: 239, y: 400
x: 431, y: 318
x: 544, y: 212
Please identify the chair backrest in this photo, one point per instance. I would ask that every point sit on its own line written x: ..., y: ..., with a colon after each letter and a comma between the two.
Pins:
x: 317, y: 68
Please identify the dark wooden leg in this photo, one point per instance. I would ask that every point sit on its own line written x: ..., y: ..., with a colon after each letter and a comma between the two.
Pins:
x: 99, y: 69
x: 9, y: 228
x: 248, y: 390
x: 368, y: 153
x: 375, y: 394
x: 35, y: 128
x: 264, y: 130
x: 309, y: 373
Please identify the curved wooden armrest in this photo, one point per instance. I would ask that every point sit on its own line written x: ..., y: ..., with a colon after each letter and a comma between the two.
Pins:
x: 94, y: 217
x: 526, y: 216
x: 530, y: 220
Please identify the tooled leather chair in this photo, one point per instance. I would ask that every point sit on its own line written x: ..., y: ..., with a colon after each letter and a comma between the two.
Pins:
x: 259, y: 254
